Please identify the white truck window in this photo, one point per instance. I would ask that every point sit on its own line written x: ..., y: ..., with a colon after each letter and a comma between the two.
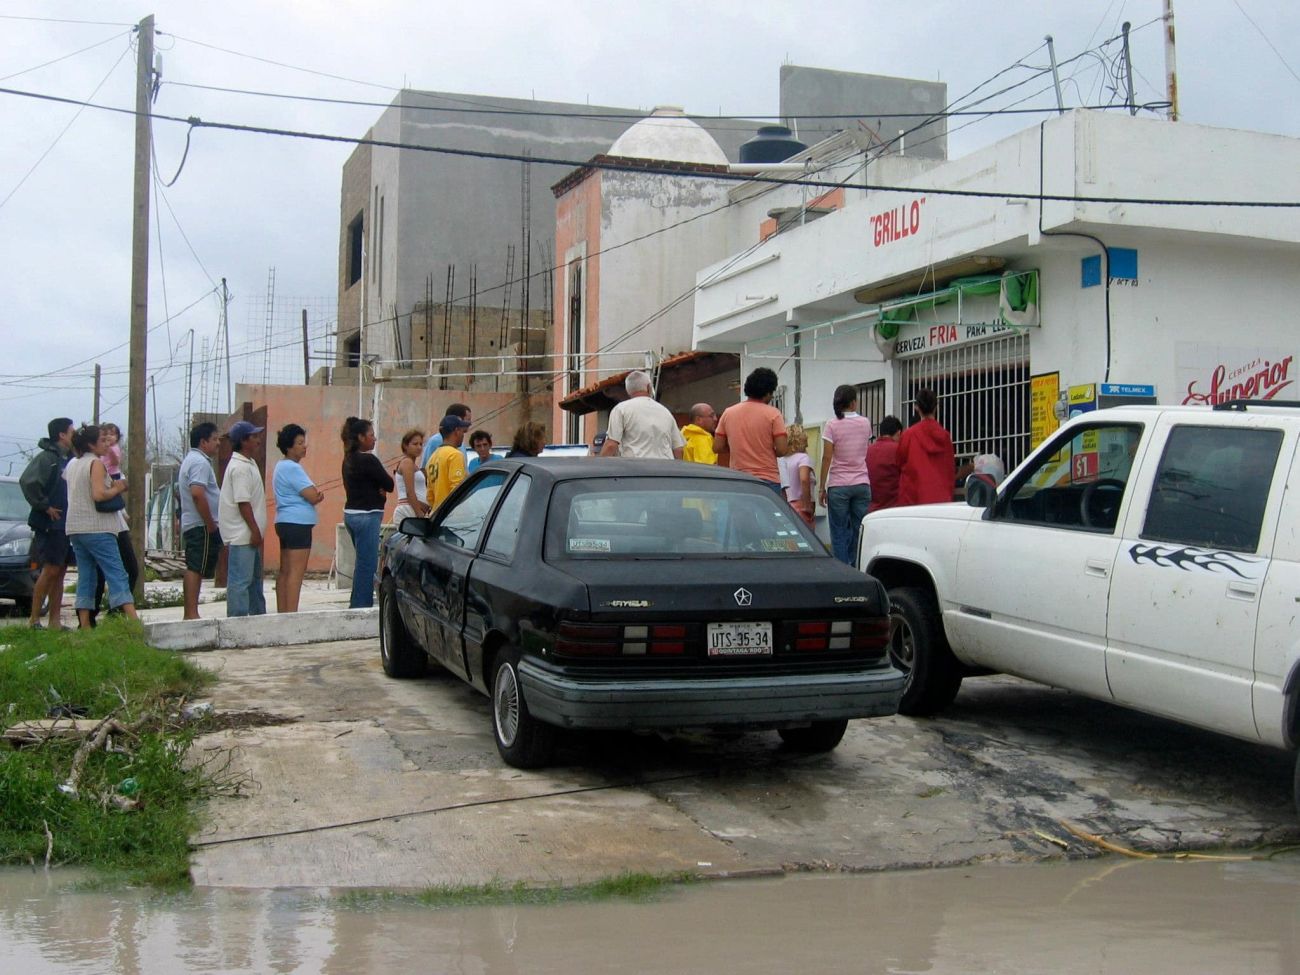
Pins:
x: 1212, y: 487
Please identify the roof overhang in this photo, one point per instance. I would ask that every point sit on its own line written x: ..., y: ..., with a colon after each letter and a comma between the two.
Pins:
x: 929, y: 279
x: 676, y: 370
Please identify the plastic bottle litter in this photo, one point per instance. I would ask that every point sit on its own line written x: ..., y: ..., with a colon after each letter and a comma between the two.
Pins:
x: 37, y: 659
x: 128, y: 787
x: 199, y: 709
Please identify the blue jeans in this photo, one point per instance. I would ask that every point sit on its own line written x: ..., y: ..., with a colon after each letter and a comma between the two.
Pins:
x: 244, y: 581
x: 845, y: 508
x: 96, y: 553
x: 363, y: 529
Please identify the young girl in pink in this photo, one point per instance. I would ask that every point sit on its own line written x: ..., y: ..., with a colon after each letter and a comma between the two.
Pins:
x: 113, y: 456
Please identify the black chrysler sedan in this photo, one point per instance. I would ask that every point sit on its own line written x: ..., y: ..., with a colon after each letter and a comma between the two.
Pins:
x: 603, y: 593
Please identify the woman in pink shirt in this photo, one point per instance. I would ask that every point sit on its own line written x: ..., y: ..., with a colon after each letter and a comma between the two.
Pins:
x: 846, y: 488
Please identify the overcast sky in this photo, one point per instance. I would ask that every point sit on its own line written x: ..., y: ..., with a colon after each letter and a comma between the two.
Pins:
x: 247, y: 203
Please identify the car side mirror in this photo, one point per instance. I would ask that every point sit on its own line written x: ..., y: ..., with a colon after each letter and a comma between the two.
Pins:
x: 415, y: 527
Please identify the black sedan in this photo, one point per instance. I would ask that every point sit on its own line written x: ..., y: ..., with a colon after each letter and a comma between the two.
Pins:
x: 16, y: 575
x: 632, y: 594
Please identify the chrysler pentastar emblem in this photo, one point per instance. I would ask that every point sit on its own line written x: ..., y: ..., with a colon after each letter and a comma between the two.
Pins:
x: 743, y: 597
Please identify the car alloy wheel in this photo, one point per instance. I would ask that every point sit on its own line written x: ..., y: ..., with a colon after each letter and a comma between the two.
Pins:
x: 505, y: 705
x: 902, y: 642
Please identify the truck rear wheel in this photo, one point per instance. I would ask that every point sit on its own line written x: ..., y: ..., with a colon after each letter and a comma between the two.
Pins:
x: 918, y: 648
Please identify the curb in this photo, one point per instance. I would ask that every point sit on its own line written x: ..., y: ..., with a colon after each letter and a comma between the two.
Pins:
x: 320, y: 626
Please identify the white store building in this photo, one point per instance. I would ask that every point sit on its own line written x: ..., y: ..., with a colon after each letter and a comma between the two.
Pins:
x: 989, y: 298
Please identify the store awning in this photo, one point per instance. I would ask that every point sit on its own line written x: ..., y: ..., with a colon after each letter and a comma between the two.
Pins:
x: 676, y: 370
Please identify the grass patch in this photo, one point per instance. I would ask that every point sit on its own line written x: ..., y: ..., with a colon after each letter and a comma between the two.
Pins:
x: 107, y: 671
x: 636, y: 887
x: 930, y: 793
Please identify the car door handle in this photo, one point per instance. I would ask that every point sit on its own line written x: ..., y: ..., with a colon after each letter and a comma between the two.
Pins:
x: 1095, y: 567
x: 1243, y: 590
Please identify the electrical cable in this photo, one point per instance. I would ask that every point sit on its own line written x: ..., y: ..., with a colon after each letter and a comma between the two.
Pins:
x: 185, y: 237
x: 661, y: 169
x: 62, y: 20
x: 184, y: 155
x: 64, y: 57
x: 62, y: 132
x: 1273, y: 47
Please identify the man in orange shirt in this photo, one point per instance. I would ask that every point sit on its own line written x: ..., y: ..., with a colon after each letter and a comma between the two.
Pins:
x: 751, y: 435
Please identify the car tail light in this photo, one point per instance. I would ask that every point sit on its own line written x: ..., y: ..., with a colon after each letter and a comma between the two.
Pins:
x: 606, y: 640
x: 668, y: 640
x: 868, y: 634
x: 589, y: 640
x: 871, y: 634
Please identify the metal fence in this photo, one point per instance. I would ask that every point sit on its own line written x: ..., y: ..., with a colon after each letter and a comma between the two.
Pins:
x: 983, y: 391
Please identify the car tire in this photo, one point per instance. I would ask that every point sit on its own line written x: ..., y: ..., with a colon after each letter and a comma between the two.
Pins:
x: 523, y: 741
x: 820, y: 736
x: 1296, y: 782
x: 400, y: 655
x: 919, y: 648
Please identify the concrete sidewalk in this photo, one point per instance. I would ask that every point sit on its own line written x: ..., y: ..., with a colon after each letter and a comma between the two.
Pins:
x: 387, y: 783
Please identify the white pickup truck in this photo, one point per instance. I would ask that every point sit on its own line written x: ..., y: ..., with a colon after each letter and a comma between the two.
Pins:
x: 1147, y: 556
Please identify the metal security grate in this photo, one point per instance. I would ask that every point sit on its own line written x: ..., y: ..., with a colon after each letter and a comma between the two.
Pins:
x: 983, y: 391
x: 871, y: 401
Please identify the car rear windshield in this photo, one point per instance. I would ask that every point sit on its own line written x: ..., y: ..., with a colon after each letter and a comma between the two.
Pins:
x: 670, y: 517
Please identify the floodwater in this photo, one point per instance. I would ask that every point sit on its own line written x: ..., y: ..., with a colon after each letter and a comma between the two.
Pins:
x: 1151, y: 917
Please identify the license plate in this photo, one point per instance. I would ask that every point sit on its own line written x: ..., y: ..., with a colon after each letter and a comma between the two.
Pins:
x: 739, y: 639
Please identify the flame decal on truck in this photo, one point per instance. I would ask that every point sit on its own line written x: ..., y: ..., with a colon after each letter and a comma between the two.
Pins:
x: 1188, y: 558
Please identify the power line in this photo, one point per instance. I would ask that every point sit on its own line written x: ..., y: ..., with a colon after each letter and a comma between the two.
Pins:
x: 1267, y: 40
x: 594, y: 116
x: 64, y: 57
x: 678, y: 171
x: 63, y: 20
x: 280, y: 64
x: 63, y: 131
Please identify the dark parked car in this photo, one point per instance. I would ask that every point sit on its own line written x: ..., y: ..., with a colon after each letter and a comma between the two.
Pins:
x: 634, y: 594
x: 16, y: 575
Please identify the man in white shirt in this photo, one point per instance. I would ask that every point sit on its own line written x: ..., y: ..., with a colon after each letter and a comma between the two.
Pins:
x: 642, y: 427
x: 241, y: 516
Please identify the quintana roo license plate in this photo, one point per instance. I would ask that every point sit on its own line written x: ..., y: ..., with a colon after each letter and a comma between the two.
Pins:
x: 739, y: 639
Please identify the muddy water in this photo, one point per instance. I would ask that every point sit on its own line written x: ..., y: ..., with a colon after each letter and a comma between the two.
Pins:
x: 1095, y: 916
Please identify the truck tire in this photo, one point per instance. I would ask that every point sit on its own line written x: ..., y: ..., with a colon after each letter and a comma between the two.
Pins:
x: 400, y: 655
x: 919, y: 648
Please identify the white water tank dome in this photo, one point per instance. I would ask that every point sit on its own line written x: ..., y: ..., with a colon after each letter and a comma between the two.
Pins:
x: 667, y: 135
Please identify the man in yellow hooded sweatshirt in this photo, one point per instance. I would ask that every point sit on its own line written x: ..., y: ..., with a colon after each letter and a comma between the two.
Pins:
x: 699, y: 435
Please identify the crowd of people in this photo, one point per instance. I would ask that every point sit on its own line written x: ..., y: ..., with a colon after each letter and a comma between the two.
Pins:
x: 76, y: 490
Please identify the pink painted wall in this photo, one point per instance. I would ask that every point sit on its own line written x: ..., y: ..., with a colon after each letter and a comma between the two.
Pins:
x: 577, y: 221
x: 321, y: 410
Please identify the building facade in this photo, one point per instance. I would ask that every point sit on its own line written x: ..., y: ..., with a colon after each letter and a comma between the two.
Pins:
x: 989, y: 279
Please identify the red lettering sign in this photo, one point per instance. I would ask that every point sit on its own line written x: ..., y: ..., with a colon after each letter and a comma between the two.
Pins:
x: 900, y: 222
x: 1259, y: 380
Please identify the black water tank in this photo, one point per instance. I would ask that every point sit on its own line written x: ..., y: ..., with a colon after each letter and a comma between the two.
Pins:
x: 772, y: 144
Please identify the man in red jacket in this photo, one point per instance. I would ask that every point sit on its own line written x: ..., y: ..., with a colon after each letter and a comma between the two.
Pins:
x: 925, y: 457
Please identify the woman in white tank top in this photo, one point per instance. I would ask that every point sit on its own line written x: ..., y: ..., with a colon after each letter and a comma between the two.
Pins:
x: 409, y: 475
x: 93, y: 533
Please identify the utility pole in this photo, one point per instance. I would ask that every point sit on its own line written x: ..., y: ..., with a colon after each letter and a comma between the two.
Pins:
x: 94, y: 415
x: 135, y: 454
x: 189, y: 385
x: 306, y: 362
x: 1056, y: 74
x: 1128, y: 73
x: 1171, y: 66
x: 225, y: 332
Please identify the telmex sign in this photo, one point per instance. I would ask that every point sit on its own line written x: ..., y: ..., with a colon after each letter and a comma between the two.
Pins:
x: 902, y: 221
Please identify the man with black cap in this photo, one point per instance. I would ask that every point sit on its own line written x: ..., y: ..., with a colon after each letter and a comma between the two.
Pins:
x: 446, y: 466
x: 241, y: 516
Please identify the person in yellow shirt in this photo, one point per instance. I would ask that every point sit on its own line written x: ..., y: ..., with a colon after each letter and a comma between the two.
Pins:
x: 699, y: 435
x: 446, y: 466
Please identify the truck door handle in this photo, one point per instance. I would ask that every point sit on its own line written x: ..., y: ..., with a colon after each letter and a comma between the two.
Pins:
x: 1095, y: 567
x: 1243, y: 590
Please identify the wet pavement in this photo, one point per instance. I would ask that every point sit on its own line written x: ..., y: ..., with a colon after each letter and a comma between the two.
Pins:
x: 1094, y: 916
x: 397, y: 784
